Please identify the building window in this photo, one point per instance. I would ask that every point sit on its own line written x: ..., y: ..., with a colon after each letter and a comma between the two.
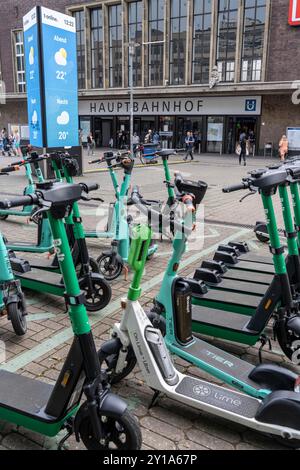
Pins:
x: 178, y: 29
x: 227, y: 36
x: 19, y: 62
x: 80, y: 36
x: 97, y: 47
x: 135, y: 28
x: 115, y: 46
x: 253, y: 40
x: 156, y: 33
x: 201, y: 41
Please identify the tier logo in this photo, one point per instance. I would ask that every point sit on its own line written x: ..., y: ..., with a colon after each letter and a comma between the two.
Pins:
x: 294, y: 13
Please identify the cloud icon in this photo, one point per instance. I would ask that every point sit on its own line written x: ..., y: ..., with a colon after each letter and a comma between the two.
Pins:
x: 34, y: 118
x: 31, y: 56
x: 63, y: 119
x: 61, y: 57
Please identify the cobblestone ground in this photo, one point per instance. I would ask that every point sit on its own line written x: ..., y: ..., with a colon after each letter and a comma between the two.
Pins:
x: 41, y: 353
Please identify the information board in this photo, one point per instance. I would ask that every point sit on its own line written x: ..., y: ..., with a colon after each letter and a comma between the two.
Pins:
x: 293, y: 135
x: 33, y: 78
x: 51, y: 72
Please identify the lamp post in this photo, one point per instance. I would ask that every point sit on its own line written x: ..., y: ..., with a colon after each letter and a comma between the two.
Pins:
x: 131, y: 49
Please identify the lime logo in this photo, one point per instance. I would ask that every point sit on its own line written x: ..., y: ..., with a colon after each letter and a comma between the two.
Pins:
x: 202, y: 390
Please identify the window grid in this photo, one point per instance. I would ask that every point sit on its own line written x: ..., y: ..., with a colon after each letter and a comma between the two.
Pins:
x: 115, y: 46
x: 19, y: 62
x: 80, y: 29
x: 201, y: 41
x: 135, y: 28
x: 227, y: 39
x: 156, y: 51
x: 253, y: 40
x: 178, y: 33
x: 97, y: 47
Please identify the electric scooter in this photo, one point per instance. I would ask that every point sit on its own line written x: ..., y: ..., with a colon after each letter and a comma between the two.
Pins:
x: 103, y: 419
x: 44, y: 237
x: 277, y: 414
x: 12, y: 299
x: 112, y: 262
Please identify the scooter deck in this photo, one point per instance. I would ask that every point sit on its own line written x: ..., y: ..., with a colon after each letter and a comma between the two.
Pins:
x: 248, y: 276
x: 229, y: 301
x: 235, y: 403
x: 213, y: 357
x: 42, y: 281
x: 239, y: 286
x: 217, y: 318
x: 253, y: 267
x: 23, y: 394
x: 254, y: 258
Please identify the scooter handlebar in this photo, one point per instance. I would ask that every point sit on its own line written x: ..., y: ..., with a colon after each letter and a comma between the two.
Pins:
x: 155, y: 215
x: 10, y: 169
x: 237, y: 187
x: 19, y: 201
x: 99, y: 160
x: 89, y: 187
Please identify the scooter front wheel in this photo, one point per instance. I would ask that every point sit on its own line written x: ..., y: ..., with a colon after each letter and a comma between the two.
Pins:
x: 109, y: 266
x: 3, y: 217
x: 122, y: 433
x: 17, y: 318
x: 97, y: 293
x: 108, y: 354
x: 261, y: 232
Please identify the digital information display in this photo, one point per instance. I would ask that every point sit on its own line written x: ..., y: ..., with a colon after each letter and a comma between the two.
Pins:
x: 55, y: 37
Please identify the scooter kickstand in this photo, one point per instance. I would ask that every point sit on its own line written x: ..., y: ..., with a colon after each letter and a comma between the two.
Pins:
x: 264, y: 340
x: 154, y: 399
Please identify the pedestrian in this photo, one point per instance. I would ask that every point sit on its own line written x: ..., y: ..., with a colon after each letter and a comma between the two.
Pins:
x: 90, y: 144
x: 283, y: 147
x: 80, y: 137
x: 243, y: 145
x: 111, y: 143
x: 149, y: 137
x: 189, y: 144
x: 17, y: 143
x: 123, y: 140
x: 135, y: 141
x: 252, y: 142
x: 156, y: 138
x: 4, y: 136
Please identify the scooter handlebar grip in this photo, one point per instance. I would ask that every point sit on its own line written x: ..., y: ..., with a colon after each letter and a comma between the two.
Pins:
x: 21, y: 162
x: 99, y: 160
x: 19, y: 201
x: 89, y: 187
x: 234, y: 188
x: 10, y: 169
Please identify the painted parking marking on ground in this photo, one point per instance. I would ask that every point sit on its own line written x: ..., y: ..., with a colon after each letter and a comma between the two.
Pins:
x: 46, y: 346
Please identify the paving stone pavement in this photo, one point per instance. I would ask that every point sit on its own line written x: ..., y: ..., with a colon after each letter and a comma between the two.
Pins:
x: 40, y: 354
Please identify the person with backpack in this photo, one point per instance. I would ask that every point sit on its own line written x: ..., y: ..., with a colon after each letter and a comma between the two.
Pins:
x: 90, y: 144
x: 189, y: 144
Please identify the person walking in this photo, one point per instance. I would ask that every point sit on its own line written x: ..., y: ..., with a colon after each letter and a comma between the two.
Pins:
x: 17, y: 143
x: 283, y: 148
x: 148, y: 137
x: 90, y: 144
x: 135, y: 141
x: 243, y: 145
x: 189, y: 143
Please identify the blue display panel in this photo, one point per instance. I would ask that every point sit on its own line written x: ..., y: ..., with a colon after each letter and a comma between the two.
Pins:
x: 33, y: 76
x: 58, y: 33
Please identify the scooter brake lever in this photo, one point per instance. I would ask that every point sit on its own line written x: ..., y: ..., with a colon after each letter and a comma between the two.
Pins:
x: 40, y: 210
x: 252, y: 193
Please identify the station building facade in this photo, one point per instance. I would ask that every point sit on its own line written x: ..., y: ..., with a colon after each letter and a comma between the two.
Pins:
x: 214, y: 67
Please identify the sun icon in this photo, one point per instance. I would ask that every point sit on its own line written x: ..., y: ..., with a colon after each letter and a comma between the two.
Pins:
x: 63, y: 53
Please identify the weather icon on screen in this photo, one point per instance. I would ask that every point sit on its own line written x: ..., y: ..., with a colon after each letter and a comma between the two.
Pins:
x: 31, y: 56
x: 61, y: 57
x: 34, y: 118
x: 63, y: 119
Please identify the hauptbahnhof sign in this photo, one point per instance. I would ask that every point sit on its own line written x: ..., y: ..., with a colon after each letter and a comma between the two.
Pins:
x: 225, y: 105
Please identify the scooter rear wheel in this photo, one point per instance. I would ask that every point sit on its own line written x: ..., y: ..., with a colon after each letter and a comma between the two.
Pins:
x: 97, y: 297
x: 122, y: 433
x: 109, y: 268
x: 18, y: 320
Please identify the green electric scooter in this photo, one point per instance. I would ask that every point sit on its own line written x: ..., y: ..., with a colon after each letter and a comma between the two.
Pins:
x: 102, y: 421
x: 44, y: 242
x: 111, y: 263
